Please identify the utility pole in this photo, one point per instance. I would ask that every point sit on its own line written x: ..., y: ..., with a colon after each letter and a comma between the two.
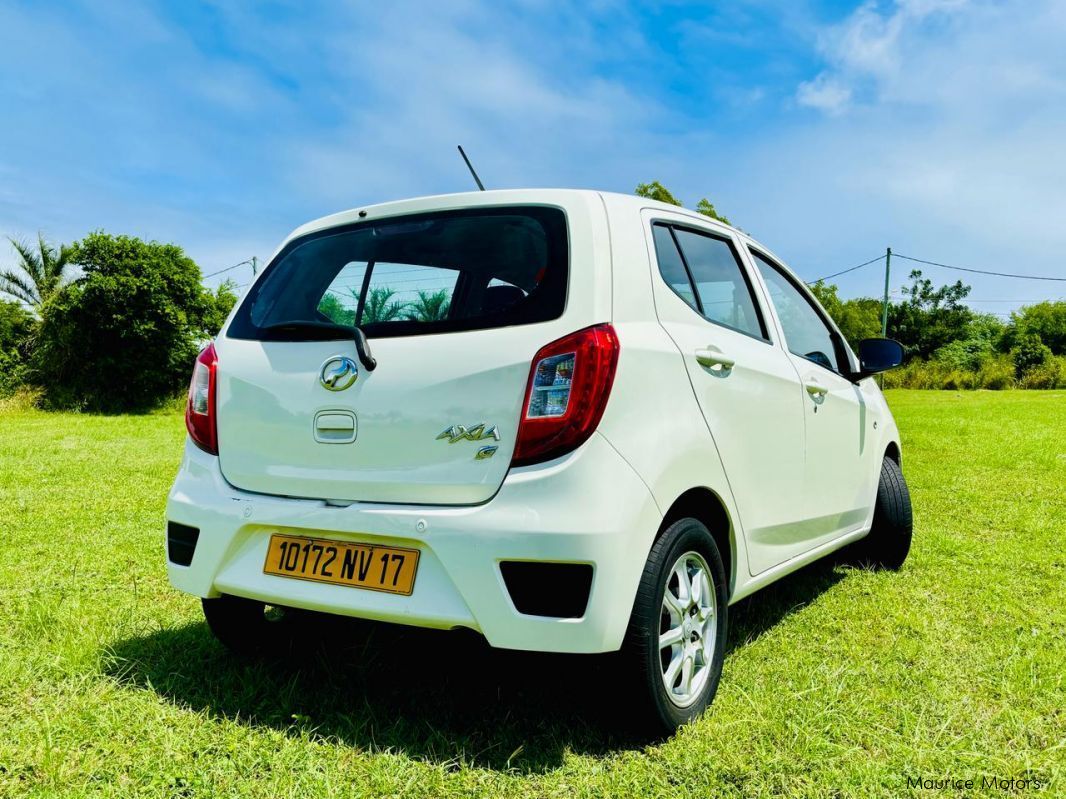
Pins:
x: 884, y: 305
x: 255, y: 265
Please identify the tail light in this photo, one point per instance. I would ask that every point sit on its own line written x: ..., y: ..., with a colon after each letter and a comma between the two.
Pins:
x: 566, y: 394
x: 200, y: 412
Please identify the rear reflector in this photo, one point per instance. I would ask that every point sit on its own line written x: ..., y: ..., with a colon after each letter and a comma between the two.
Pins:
x: 567, y: 391
x: 181, y: 543
x: 558, y: 590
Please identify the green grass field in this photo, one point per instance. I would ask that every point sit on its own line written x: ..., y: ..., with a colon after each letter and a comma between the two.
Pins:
x: 838, y: 682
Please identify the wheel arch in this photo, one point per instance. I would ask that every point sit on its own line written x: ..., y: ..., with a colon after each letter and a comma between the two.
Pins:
x: 892, y: 451
x: 705, y: 505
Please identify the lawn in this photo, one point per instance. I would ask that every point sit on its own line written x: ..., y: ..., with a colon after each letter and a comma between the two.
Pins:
x: 838, y: 681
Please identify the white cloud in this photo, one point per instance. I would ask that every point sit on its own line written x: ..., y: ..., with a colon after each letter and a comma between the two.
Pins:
x: 825, y: 94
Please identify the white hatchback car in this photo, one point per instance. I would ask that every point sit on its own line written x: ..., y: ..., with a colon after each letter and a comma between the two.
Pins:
x: 568, y: 420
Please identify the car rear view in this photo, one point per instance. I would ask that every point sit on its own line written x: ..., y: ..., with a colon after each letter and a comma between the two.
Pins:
x: 398, y: 423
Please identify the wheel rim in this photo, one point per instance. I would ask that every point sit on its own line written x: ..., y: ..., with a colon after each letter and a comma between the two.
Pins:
x: 687, y: 629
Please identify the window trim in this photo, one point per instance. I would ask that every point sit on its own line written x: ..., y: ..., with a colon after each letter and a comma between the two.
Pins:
x: 840, y: 347
x: 760, y: 312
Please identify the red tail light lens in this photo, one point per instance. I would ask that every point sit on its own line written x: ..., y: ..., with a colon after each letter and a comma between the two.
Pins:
x: 200, y: 416
x: 566, y: 394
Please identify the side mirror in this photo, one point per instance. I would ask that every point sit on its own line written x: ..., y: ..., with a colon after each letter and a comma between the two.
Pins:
x: 878, y: 355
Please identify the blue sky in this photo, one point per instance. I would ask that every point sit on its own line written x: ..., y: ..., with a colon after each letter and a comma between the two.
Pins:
x: 828, y: 130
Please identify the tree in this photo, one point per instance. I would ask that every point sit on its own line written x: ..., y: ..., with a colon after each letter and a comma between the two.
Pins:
x: 380, y: 307
x: 929, y: 317
x: 39, y: 274
x: 15, y: 325
x: 431, y: 306
x: 1030, y: 353
x: 1047, y: 320
x: 857, y: 318
x: 657, y: 191
x: 124, y: 335
x: 336, y: 311
x: 220, y: 303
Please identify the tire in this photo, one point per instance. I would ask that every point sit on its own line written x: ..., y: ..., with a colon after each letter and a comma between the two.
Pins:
x: 646, y: 666
x: 248, y: 628
x: 889, y: 541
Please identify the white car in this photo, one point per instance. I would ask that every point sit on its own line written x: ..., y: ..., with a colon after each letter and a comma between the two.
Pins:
x: 571, y: 421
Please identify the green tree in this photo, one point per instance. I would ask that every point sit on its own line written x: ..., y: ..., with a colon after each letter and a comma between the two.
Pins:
x: 1029, y: 354
x: 431, y: 306
x: 657, y: 191
x: 39, y: 273
x: 380, y: 307
x: 122, y: 336
x: 336, y: 311
x: 15, y: 325
x: 857, y: 318
x: 929, y: 317
x: 219, y: 303
x: 1045, y: 319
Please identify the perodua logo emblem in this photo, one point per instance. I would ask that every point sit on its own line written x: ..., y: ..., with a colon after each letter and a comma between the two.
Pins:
x: 338, y: 373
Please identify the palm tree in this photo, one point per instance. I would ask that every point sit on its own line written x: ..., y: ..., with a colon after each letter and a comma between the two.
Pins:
x: 432, y: 306
x: 39, y: 272
x: 379, y: 306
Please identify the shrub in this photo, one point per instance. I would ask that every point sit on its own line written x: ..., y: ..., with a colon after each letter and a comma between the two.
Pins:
x: 1029, y: 354
x: 1050, y: 374
x: 969, y: 354
x: 123, y: 336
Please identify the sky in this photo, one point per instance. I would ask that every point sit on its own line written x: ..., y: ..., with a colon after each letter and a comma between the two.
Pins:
x: 827, y: 130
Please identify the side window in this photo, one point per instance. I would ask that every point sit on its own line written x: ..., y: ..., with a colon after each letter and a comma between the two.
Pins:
x: 671, y: 267
x: 806, y: 332
x: 723, y: 293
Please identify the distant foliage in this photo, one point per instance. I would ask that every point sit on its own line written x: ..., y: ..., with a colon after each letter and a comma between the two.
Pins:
x: 221, y: 302
x: 857, y: 319
x: 122, y: 336
x: 929, y: 317
x: 16, y: 326
x: 431, y: 306
x: 1046, y: 320
x: 657, y: 191
x: 39, y: 274
x: 380, y: 307
x: 1029, y: 354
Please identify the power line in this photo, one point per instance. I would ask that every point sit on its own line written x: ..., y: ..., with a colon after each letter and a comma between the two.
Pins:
x: 852, y: 269
x: 980, y: 271
x: 228, y: 268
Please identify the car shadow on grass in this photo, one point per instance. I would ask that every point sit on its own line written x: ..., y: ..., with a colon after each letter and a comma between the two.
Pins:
x: 445, y: 697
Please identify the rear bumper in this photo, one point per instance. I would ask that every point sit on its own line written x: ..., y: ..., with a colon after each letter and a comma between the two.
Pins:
x: 590, y: 507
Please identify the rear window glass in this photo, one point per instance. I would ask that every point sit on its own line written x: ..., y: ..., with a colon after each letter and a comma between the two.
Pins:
x: 431, y: 273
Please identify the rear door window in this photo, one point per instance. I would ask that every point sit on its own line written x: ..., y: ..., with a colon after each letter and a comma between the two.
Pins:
x: 432, y: 273
x: 706, y: 272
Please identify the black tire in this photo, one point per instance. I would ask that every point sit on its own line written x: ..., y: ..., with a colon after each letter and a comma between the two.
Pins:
x: 249, y: 628
x: 642, y: 660
x: 889, y: 541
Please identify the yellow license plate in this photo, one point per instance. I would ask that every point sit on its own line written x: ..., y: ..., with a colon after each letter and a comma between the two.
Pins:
x: 388, y: 569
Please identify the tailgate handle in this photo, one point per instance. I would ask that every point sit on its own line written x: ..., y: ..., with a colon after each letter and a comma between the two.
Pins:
x: 335, y: 427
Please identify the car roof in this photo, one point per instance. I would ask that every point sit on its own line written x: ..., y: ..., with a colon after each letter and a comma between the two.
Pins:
x: 535, y: 196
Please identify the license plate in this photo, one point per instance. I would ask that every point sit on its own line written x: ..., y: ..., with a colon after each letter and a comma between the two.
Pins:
x: 388, y: 569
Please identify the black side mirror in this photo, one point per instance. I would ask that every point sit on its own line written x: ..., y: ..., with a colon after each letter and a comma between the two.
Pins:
x: 878, y: 355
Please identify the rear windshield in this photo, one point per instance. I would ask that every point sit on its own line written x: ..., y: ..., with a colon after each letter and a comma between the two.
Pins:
x: 431, y: 273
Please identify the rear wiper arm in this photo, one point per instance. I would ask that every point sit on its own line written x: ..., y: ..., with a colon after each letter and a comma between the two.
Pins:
x: 362, y: 346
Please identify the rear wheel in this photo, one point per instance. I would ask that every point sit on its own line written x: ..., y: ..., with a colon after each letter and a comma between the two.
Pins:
x: 889, y: 541
x: 675, y: 644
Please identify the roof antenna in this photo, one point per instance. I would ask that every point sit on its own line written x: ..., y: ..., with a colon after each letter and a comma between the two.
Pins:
x: 470, y: 166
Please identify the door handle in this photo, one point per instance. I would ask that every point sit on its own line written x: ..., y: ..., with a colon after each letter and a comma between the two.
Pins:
x: 712, y: 356
x: 815, y: 389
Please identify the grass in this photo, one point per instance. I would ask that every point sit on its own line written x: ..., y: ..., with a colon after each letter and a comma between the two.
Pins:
x: 838, y: 682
